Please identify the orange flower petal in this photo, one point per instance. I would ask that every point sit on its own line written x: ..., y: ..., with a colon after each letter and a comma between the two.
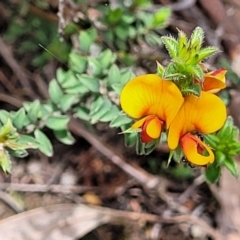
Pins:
x: 205, y: 114
x: 151, y: 128
x: 214, y: 81
x: 151, y: 95
x: 139, y: 123
x: 190, y: 145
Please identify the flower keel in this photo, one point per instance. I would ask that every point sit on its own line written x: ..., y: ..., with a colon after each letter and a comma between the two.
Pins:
x: 193, y: 149
x: 151, y: 128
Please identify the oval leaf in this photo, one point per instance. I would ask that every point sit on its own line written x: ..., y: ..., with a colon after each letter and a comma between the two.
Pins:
x: 57, y: 122
x: 45, y: 146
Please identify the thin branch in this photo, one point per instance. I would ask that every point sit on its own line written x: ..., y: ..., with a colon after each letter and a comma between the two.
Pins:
x: 142, y: 176
x: 17, y: 70
x: 9, y: 99
x: 23, y: 187
x: 61, y: 20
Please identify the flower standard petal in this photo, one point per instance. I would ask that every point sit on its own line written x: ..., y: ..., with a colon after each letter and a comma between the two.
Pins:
x: 214, y: 81
x: 151, y: 95
x: 205, y: 114
x: 190, y: 145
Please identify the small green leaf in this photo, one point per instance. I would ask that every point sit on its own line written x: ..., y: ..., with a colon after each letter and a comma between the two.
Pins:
x: 117, y: 87
x: 140, y: 150
x: 20, y: 119
x: 126, y: 75
x: 194, y: 90
x: 213, y: 173
x: 78, y: 89
x: 5, y: 161
x: 71, y: 80
x: 153, y: 39
x: 96, y: 105
x: 77, y: 63
x: 171, y: 45
x: 28, y: 141
x: 219, y: 157
x: 130, y: 139
x: 232, y: 167
x: 67, y: 101
x: 91, y: 83
x: 161, y: 16
x: 4, y: 115
x: 115, y: 15
x: 121, y: 32
x: 34, y: 111
x: 61, y: 75
x: 45, y: 146
x: 160, y: 70
x: 114, y: 75
x: 94, y: 67
x: 85, y: 41
x: 6, y: 129
x: 212, y: 140
x: 64, y: 136
x: 128, y: 18
x: 16, y: 145
x: 178, y: 154
x: 226, y: 130
x: 206, y: 52
x: 182, y: 43
x: 106, y: 58
x: 22, y: 153
x: 82, y: 113
x: 196, y: 71
x: 55, y: 91
x: 110, y: 115
x: 196, y: 38
x: 57, y: 122
x: 102, y: 110
x: 120, y: 120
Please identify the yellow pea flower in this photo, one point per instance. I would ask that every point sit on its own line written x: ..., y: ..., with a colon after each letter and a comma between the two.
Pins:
x: 214, y: 81
x: 204, y: 114
x: 153, y: 101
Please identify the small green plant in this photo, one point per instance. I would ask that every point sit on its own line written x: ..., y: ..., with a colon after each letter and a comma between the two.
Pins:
x: 93, y: 88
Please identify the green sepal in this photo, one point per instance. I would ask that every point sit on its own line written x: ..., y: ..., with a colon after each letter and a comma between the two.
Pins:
x: 196, y: 38
x: 232, y: 166
x: 171, y: 45
x: 194, y: 89
x: 170, y: 157
x: 196, y: 71
x: 206, y: 52
x: 160, y: 70
x: 213, y: 172
x: 212, y: 140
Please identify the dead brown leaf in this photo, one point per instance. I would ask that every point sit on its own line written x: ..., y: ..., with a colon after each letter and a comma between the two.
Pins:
x: 56, y: 222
